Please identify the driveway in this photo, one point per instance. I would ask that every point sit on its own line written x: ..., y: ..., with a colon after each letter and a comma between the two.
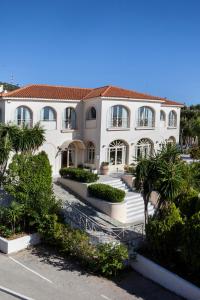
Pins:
x: 41, y: 275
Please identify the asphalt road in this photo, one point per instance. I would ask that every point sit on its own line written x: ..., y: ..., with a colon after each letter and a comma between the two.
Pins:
x: 40, y: 275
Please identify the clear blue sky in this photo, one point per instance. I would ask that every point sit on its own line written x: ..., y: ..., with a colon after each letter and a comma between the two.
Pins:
x: 151, y: 46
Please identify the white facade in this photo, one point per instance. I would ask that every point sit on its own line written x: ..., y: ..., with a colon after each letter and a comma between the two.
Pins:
x: 112, y: 136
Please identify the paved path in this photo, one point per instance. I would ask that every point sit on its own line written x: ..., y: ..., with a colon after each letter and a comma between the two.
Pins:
x: 65, y: 195
x: 40, y: 275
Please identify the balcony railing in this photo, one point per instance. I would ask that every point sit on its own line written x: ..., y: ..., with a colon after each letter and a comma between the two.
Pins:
x: 68, y: 124
x: 24, y: 122
x: 118, y: 123
x: 48, y: 124
x: 146, y: 123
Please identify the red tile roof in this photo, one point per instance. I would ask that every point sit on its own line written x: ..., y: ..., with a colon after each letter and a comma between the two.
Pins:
x: 116, y: 92
x: 41, y: 91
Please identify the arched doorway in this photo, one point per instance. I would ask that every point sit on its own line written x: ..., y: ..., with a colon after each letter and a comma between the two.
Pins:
x: 171, y: 140
x: 72, y: 153
x: 68, y: 157
x: 144, y: 148
x: 117, y: 153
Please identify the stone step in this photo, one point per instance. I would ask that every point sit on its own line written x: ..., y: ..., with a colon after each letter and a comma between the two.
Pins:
x: 132, y: 195
x: 137, y: 212
x: 137, y: 205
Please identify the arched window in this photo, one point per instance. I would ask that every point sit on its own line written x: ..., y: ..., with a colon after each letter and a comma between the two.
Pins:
x: 23, y: 116
x: 171, y: 140
x: 144, y: 148
x: 48, y: 114
x: 146, y: 117
x: 119, y: 117
x: 91, y: 114
x: 172, y: 119
x: 90, y: 153
x: 162, y: 116
x: 69, y: 118
x: 117, y: 153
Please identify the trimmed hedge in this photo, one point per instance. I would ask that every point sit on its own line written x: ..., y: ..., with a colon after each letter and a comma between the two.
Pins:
x: 106, y: 192
x: 78, y: 175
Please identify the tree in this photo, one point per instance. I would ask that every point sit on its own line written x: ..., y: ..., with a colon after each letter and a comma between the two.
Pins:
x: 8, y: 86
x: 18, y: 139
x: 161, y: 172
x: 146, y: 173
x: 29, y: 182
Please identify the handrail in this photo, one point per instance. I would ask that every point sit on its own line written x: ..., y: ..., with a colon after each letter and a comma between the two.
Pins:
x: 88, y: 224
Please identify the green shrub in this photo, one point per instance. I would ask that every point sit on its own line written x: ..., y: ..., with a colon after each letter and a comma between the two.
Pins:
x: 78, y: 174
x: 195, y: 153
x: 111, y: 258
x: 106, y: 192
x: 29, y: 182
x: 191, y: 244
x: 105, y: 259
x: 163, y: 233
x: 190, y: 206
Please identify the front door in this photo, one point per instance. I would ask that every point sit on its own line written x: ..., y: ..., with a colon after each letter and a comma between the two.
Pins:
x: 68, y: 157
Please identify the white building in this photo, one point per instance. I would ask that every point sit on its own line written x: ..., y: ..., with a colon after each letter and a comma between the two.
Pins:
x: 90, y: 126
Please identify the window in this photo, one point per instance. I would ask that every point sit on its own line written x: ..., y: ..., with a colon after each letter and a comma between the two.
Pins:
x: 91, y: 115
x: 146, y: 117
x: 119, y: 117
x: 172, y: 119
x: 48, y: 114
x: 162, y: 116
x: 23, y: 116
x: 69, y: 118
x: 90, y: 153
x: 117, y: 153
x: 144, y: 148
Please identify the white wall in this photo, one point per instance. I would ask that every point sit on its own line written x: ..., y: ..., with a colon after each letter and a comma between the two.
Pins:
x: 95, y: 131
x: 132, y: 135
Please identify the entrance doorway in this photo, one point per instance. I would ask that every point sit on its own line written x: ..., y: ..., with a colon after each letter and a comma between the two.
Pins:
x: 68, y: 157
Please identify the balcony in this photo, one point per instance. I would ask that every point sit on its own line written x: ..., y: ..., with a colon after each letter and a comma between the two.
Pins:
x: 48, y: 124
x: 24, y: 122
x: 68, y: 125
x: 145, y: 124
x: 118, y: 124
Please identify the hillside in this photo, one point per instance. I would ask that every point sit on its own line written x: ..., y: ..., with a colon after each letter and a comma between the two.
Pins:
x: 9, y: 86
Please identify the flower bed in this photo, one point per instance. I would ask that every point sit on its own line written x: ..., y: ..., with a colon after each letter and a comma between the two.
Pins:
x: 8, y: 246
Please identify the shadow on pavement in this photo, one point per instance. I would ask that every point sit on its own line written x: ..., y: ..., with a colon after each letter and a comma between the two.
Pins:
x: 130, y: 281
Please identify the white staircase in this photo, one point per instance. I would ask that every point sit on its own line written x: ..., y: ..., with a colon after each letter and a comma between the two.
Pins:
x: 134, y: 201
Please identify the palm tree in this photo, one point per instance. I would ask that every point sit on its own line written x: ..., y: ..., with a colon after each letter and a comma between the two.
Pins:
x: 162, y: 172
x: 144, y: 181
x: 28, y: 140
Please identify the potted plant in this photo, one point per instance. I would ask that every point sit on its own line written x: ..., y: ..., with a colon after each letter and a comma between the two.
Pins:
x: 104, y: 168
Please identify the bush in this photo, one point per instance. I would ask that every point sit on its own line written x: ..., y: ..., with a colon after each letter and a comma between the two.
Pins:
x: 189, y: 206
x: 195, y: 153
x: 29, y: 182
x: 163, y: 233
x: 78, y: 174
x: 106, y: 259
x: 106, y: 192
x: 191, y: 244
